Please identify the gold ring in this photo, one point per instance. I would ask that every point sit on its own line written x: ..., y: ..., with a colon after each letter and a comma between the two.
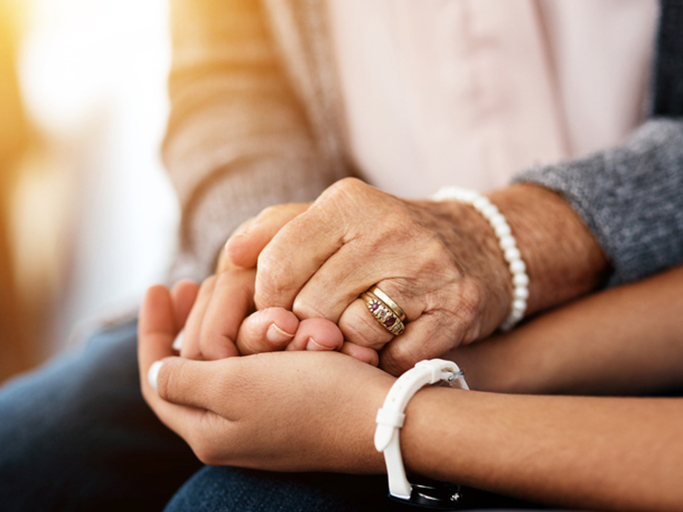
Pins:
x: 385, y: 315
x: 387, y: 300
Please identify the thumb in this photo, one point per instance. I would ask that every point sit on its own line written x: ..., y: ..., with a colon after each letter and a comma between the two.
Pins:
x: 188, y: 382
x: 244, y: 247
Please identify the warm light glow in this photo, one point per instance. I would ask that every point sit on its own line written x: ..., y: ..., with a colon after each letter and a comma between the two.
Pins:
x: 94, y: 210
x: 77, y: 53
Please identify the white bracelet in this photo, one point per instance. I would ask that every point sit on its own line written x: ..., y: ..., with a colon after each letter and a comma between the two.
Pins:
x: 391, y: 416
x: 507, y: 242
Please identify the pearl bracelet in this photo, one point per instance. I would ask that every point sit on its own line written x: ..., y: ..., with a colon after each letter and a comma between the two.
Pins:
x: 507, y: 242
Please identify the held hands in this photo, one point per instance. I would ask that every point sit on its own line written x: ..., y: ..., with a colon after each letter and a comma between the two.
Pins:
x: 438, y: 261
x: 222, y: 323
x: 315, y: 410
x: 219, y: 324
x: 316, y: 407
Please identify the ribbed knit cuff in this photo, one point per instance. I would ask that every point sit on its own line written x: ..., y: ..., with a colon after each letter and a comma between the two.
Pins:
x: 630, y: 197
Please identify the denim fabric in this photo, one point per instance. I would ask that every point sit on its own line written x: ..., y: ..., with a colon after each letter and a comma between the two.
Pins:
x: 76, y: 435
x: 223, y: 489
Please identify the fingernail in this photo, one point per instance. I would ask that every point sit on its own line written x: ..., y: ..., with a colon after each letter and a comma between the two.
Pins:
x: 276, y: 335
x: 153, y: 373
x: 178, y: 341
x: 311, y: 344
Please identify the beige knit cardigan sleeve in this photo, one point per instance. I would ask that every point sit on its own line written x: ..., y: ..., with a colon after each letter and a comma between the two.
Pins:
x: 238, y: 137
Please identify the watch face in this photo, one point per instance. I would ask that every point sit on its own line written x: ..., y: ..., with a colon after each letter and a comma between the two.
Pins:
x: 437, y: 496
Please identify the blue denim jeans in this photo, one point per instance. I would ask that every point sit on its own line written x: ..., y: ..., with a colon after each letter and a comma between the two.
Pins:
x: 231, y: 489
x: 77, y: 435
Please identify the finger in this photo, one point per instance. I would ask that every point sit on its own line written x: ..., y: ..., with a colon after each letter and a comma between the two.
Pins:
x: 190, y: 383
x: 427, y: 337
x: 183, y: 295
x: 363, y: 354
x: 301, y: 247
x: 356, y: 266
x: 244, y: 247
x: 156, y: 327
x: 317, y: 334
x: 156, y: 331
x: 231, y: 302
x: 193, y: 326
x: 360, y: 327
x: 266, y: 331
x: 224, y: 261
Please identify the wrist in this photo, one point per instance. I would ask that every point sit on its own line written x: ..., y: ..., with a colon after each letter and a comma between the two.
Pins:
x: 563, y: 258
x: 506, y: 243
x: 470, y: 238
x: 391, y: 418
x: 422, y: 443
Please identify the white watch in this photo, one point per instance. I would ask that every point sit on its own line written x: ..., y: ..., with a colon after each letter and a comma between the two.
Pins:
x: 391, y: 416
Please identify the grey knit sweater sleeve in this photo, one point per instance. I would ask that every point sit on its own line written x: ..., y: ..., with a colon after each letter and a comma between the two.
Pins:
x: 630, y: 197
x: 237, y: 139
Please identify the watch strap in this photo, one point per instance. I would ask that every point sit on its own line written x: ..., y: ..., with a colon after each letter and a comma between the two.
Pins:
x: 391, y: 416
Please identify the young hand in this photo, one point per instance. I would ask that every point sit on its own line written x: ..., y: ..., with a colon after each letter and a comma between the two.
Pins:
x: 220, y: 324
x: 290, y: 411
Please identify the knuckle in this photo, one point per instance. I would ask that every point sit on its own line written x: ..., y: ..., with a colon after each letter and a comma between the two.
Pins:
x: 364, y: 331
x: 347, y: 186
x: 465, y: 307
x: 434, y: 248
x: 471, y: 300
x: 272, y: 284
x: 268, y: 264
x: 303, y: 309
x: 343, y: 193
x: 168, y: 378
x: 396, y: 222
x: 394, y: 227
x: 438, y: 258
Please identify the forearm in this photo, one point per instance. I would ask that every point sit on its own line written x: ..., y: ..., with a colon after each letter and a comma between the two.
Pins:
x: 602, y: 453
x: 623, y: 340
x: 609, y: 218
x: 629, y: 197
x: 563, y: 258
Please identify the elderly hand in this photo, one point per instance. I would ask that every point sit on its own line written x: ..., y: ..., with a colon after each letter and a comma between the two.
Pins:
x: 315, y: 410
x: 439, y: 261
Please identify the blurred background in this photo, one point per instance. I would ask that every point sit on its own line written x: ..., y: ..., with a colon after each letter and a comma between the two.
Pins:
x: 87, y: 214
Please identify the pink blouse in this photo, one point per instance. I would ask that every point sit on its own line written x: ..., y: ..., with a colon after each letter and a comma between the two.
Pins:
x: 469, y: 92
